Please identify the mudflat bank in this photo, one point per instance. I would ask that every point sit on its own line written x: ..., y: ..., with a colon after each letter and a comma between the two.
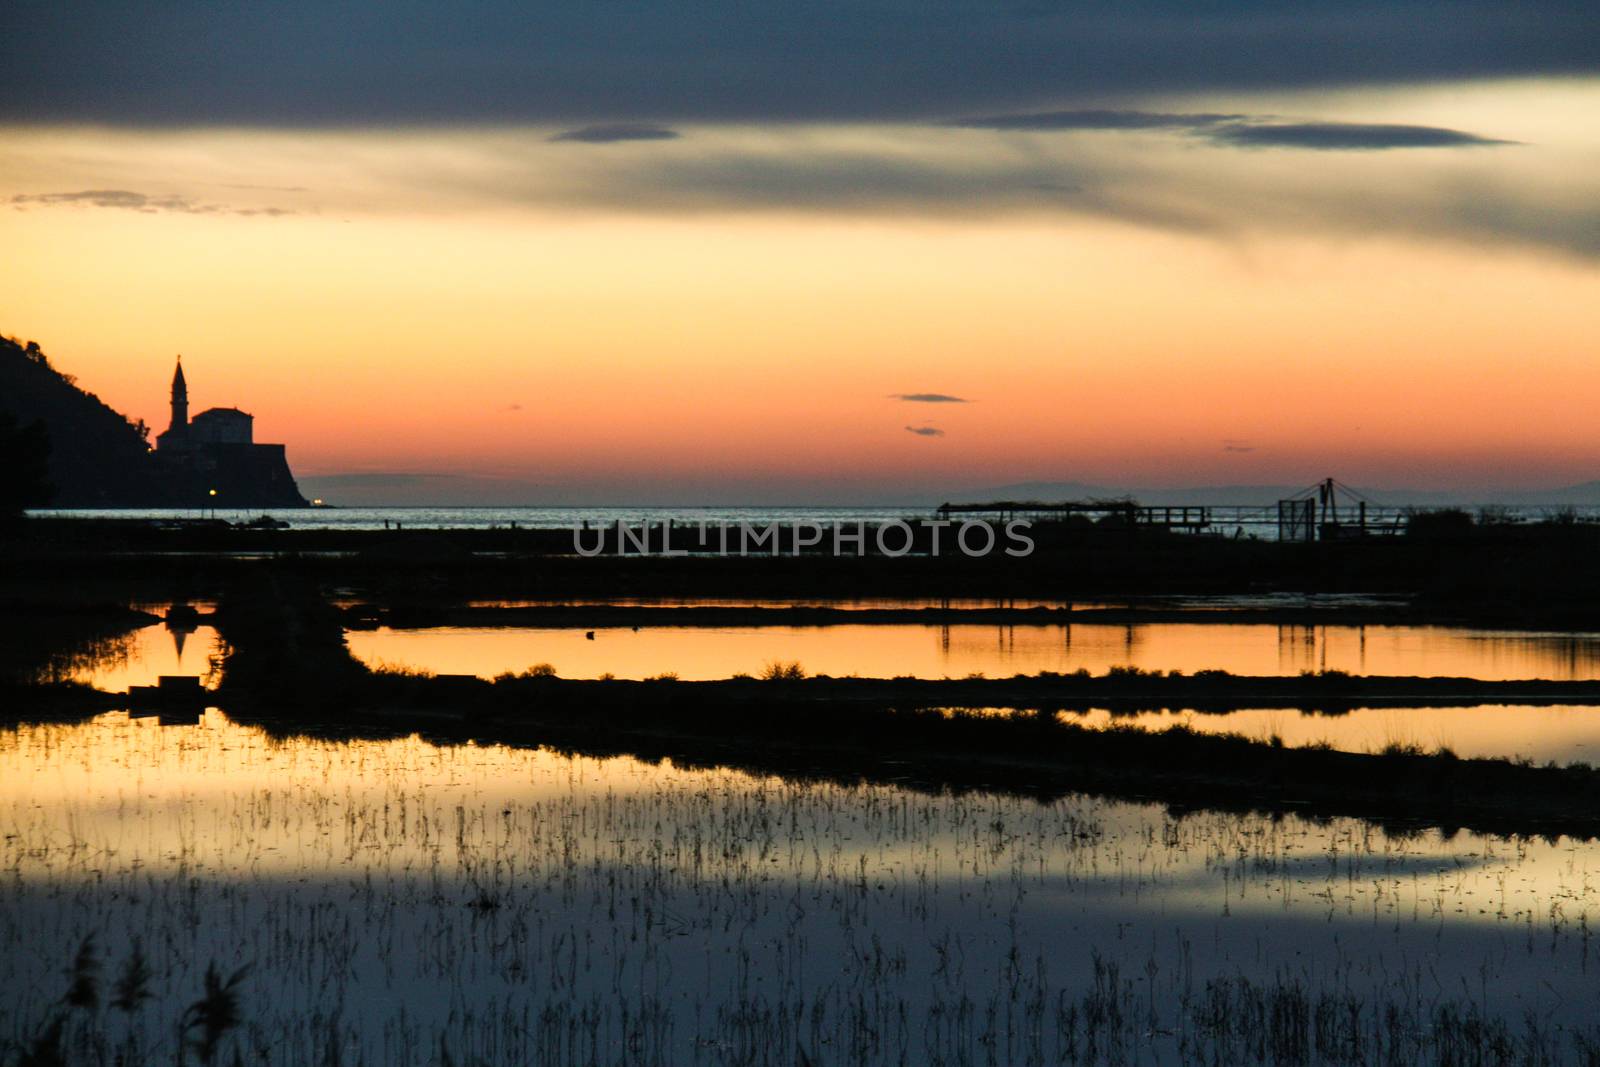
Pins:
x: 1539, y: 574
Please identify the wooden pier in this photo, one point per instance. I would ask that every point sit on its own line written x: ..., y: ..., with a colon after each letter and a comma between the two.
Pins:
x: 1326, y: 511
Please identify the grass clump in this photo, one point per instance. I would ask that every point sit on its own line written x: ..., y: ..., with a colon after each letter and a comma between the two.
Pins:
x: 780, y: 671
x: 538, y: 670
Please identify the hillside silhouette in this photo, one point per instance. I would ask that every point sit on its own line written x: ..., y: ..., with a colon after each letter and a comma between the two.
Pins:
x: 98, y: 457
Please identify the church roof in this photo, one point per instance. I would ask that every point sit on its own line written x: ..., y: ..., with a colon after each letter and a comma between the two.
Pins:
x: 227, y: 413
x: 177, y: 378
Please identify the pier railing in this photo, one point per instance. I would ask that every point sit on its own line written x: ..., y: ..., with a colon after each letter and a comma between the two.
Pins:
x: 1286, y: 520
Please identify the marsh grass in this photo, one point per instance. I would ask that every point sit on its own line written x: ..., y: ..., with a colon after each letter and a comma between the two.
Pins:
x: 781, y: 671
x: 384, y: 669
x: 537, y: 671
x: 414, y: 903
x: 76, y: 1031
x: 209, y: 1019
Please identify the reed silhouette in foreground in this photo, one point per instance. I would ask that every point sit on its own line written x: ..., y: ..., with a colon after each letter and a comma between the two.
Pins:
x: 77, y: 1031
x: 1115, y: 1019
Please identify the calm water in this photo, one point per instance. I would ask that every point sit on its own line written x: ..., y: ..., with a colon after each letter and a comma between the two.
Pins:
x: 568, y: 517
x: 522, y: 907
x: 1561, y: 734
x: 454, y: 518
x: 997, y: 651
x: 899, y: 603
x: 143, y: 656
x: 1543, y: 734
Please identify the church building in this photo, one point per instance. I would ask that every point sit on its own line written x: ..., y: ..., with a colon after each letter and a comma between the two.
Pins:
x: 213, y: 460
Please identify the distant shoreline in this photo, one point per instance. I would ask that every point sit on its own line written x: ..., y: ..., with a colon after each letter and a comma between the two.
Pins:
x: 1459, y: 571
x: 334, y: 515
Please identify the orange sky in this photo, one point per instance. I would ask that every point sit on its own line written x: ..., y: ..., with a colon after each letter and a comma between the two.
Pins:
x: 486, y: 303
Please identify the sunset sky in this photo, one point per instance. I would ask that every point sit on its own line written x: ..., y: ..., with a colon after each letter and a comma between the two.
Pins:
x: 626, y: 253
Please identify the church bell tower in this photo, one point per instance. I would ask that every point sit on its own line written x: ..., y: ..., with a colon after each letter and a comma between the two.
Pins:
x: 180, y: 400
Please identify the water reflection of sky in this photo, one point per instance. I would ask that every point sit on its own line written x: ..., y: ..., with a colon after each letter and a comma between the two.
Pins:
x: 346, y: 871
x: 144, y: 655
x: 836, y: 603
x: 1563, y: 734
x: 998, y: 651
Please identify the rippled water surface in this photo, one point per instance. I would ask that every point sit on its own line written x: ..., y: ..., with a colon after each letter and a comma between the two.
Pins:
x: 394, y: 898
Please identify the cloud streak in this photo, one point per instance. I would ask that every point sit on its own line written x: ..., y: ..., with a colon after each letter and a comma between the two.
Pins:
x: 1538, y: 196
x: 1239, y: 131
x: 925, y: 431
x: 929, y: 398
x: 128, y: 200
x: 616, y: 132
x: 1056, y: 121
x: 1346, y: 136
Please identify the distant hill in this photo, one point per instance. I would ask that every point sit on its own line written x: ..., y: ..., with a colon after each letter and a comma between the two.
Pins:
x: 1059, y: 491
x: 1047, y: 491
x: 98, y: 456
x: 1585, y: 495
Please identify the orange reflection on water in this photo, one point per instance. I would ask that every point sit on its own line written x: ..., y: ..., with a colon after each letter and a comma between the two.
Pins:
x: 838, y: 603
x: 221, y: 796
x: 144, y: 655
x: 1561, y: 734
x: 997, y: 651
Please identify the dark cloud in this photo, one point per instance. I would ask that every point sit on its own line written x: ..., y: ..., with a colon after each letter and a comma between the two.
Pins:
x: 1512, y: 198
x: 128, y: 200
x: 1345, y: 136
x: 823, y: 177
x: 611, y: 133
x: 925, y: 431
x: 118, y: 198
x: 1223, y: 196
x: 1096, y: 120
x: 391, y: 62
x: 929, y: 398
x: 1245, y: 131
x: 1237, y: 446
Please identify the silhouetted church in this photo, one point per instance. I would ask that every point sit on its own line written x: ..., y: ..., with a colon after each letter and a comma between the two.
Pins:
x: 213, y: 460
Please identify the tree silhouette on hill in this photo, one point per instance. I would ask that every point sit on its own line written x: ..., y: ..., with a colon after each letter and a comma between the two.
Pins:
x: 24, y: 466
x: 95, y: 456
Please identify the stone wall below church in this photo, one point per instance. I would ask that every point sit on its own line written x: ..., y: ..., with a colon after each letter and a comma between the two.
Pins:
x: 243, y: 476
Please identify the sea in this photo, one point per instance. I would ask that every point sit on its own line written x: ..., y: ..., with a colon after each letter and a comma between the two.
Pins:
x: 1252, y: 521
x: 488, y: 518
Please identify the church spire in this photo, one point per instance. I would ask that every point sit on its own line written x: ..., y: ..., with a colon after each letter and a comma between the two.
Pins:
x: 180, y: 399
